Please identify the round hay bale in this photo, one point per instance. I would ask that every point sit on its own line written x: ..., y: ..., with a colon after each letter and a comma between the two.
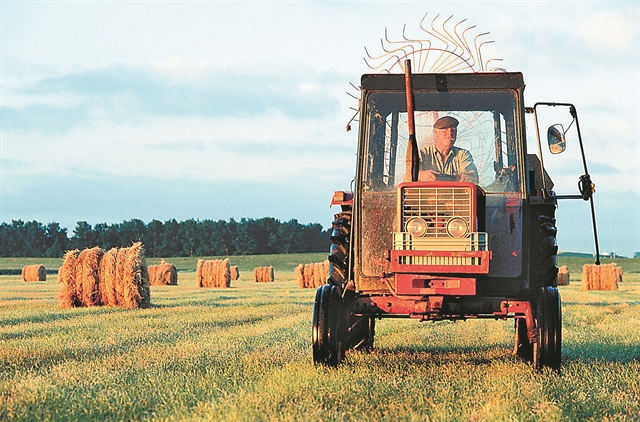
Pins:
x: 67, y: 279
x: 135, y: 278
x: 35, y: 272
x: 109, y: 277
x: 88, y: 276
x: 235, y: 273
x: 299, y: 272
x: 163, y: 274
x: 213, y: 273
x: 199, y: 273
x: 563, y: 276
x: 263, y: 274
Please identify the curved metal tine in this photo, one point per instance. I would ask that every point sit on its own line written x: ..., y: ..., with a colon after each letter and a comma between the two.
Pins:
x: 352, y: 96
x: 357, y: 88
x: 388, y: 59
x: 453, y: 40
x: 440, y: 63
x: 383, y: 56
x: 495, y: 69
x: 463, y: 45
x: 475, y: 43
x: 480, y: 53
x: 431, y: 33
x: 371, y: 57
x: 438, y: 36
x: 452, y: 64
x: 420, y: 64
x: 425, y: 61
x: 472, y: 56
x: 459, y: 66
x: 394, y: 50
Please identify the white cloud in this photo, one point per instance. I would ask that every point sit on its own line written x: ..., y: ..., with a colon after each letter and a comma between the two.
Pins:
x: 610, y: 31
x: 177, y: 67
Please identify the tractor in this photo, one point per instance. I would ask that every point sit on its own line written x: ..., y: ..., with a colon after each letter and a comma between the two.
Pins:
x: 447, y: 249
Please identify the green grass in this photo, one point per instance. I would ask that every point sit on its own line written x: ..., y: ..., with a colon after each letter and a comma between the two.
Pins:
x: 244, y: 353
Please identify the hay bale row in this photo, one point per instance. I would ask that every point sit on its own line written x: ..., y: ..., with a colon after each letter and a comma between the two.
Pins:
x: 235, y: 273
x: 35, y: 272
x: 312, y: 276
x: 601, y: 277
x: 563, y: 276
x: 213, y: 273
x: 93, y: 277
x: 163, y: 274
x: 263, y: 274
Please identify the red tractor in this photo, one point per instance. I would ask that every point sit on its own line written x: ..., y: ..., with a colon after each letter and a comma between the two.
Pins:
x: 448, y: 249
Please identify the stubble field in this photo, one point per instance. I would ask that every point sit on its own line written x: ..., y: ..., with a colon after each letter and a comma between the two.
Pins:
x: 244, y: 353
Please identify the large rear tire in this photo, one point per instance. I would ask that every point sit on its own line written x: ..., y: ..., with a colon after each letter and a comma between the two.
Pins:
x: 339, y: 251
x: 547, y: 259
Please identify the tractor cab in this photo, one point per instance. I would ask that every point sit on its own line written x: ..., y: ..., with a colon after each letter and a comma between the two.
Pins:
x: 441, y: 236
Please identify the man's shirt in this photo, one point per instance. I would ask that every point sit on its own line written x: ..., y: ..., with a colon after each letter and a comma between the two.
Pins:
x: 458, y: 161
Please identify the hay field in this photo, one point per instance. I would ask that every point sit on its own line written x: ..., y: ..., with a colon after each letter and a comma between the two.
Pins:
x: 244, y: 353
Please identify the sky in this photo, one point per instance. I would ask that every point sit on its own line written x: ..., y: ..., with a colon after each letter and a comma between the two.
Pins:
x: 120, y: 110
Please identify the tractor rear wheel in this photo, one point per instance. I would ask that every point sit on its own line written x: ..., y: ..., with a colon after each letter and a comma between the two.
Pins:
x: 547, y: 259
x: 548, y: 347
x: 339, y: 252
x: 328, y: 347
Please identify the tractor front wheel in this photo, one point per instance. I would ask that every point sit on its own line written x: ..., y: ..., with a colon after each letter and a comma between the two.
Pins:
x: 547, y: 350
x: 328, y: 347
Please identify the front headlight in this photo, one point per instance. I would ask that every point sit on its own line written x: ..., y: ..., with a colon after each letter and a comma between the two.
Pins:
x: 457, y: 227
x: 416, y: 227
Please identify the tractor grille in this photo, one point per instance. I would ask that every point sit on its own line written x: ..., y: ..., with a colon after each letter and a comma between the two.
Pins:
x: 437, y: 205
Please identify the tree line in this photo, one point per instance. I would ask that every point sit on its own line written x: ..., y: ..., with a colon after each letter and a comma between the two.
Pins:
x: 171, y: 238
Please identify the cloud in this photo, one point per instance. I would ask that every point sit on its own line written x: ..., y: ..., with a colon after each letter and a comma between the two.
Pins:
x: 127, y: 94
x: 610, y: 31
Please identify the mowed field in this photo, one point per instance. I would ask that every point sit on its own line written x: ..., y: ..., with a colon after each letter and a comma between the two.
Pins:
x: 244, y: 353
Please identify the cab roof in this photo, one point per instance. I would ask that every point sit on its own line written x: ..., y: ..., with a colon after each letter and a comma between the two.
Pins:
x: 444, y: 81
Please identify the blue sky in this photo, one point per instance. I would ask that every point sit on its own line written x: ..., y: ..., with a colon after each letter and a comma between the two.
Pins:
x: 121, y: 110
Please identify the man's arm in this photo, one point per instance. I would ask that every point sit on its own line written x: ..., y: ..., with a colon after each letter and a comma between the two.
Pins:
x: 467, y: 169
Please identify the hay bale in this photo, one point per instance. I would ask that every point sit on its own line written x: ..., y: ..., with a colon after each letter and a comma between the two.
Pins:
x: 88, y: 276
x: 109, y: 277
x: 313, y: 275
x: 199, y: 265
x: 600, y: 277
x: 93, y: 277
x: 235, y: 273
x: 213, y: 273
x: 563, y: 276
x: 35, y: 272
x: 151, y: 269
x: 67, y: 278
x: 263, y: 274
x: 299, y: 272
x: 135, y: 278
x: 163, y: 274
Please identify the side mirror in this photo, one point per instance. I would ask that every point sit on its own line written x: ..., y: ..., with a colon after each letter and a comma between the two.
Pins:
x: 555, y: 137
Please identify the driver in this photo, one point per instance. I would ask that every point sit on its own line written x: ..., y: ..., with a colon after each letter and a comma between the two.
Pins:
x: 442, y: 158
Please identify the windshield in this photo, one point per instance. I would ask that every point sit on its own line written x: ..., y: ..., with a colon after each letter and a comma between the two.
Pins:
x: 487, y: 130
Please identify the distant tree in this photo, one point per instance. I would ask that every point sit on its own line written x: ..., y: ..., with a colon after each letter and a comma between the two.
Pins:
x: 636, y: 255
x: 153, y: 238
x: 84, y: 236
x: 57, y: 241
x: 172, y: 238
